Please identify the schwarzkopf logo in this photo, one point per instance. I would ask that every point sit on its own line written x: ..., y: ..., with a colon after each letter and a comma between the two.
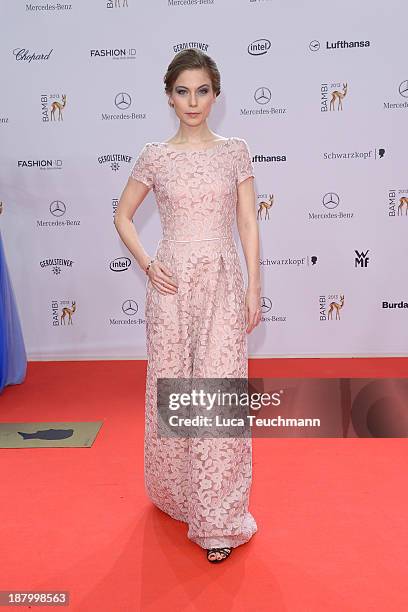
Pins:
x: 24, y: 55
x: 259, y: 47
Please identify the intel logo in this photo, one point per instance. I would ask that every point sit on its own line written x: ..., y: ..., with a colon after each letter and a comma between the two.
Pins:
x: 259, y: 47
x: 119, y: 264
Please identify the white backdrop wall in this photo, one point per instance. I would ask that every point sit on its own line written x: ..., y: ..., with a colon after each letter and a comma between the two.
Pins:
x: 335, y: 174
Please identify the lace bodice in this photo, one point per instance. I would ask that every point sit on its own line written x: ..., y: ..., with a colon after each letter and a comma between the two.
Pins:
x: 196, y: 190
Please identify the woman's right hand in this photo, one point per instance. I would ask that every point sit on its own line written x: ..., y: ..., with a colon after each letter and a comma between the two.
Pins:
x: 161, y: 278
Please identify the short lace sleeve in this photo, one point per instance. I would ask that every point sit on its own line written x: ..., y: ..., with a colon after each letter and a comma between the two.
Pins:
x: 244, y: 167
x: 143, y: 168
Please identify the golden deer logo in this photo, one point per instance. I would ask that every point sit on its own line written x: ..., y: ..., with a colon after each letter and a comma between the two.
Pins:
x: 68, y: 311
x: 263, y: 205
x: 337, y: 307
x: 60, y: 106
x: 403, y: 202
x: 338, y: 95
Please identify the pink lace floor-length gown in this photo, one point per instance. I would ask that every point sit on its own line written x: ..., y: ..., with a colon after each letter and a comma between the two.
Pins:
x: 198, y: 332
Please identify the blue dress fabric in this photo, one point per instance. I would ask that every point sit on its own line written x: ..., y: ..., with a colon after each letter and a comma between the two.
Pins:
x: 13, y: 357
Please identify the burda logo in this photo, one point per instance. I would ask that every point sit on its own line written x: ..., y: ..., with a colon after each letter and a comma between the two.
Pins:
x: 259, y: 47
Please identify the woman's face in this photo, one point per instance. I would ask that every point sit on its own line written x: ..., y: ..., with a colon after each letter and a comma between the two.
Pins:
x: 192, y: 96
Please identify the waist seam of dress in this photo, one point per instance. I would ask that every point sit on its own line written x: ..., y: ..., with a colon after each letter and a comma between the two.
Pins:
x: 194, y: 239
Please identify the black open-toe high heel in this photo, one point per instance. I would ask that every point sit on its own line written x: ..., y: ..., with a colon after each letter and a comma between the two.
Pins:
x: 225, y: 552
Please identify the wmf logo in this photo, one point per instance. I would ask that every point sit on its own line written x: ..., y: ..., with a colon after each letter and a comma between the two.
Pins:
x: 259, y: 46
x: 58, y: 210
x: 56, y: 265
x: 117, y: 4
x: 130, y: 309
x: 53, y: 107
x: 263, y: 97
x: 332, y: 96
x: 115, y: 53
x: 330, y: 202
x: 330, y: 306
x: 62, y: 312
x: 402, y: 101
x: 266, y: 308
x: 397, y: 203
x: 264, y: 206
x: 361, y: 259
x: 114, y: 159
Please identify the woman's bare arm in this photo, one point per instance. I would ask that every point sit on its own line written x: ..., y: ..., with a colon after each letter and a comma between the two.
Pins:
x: 248, y: 231
x: 249, y: 235
x: 132, y: 196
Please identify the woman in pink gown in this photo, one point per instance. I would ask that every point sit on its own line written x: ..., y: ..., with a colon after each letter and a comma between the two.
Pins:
x: 198, y: 312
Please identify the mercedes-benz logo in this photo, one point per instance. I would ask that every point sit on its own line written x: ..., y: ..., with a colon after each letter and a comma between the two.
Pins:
x: 57, y: 208
x: 130, y: 307
x: 266, y: 304
x: 331, y: 200
x: 262, y: 95
x: 123, y: 100
x: 314, y: 45
x: 403, y: 89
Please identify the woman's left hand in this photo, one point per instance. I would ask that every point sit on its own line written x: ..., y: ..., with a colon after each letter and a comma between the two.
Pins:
x: 252, y: 308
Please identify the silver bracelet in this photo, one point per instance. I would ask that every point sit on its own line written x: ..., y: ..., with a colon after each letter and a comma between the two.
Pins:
x: 149, y: 264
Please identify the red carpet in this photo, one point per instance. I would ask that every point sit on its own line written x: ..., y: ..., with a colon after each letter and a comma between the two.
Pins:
x: 331, y: 513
